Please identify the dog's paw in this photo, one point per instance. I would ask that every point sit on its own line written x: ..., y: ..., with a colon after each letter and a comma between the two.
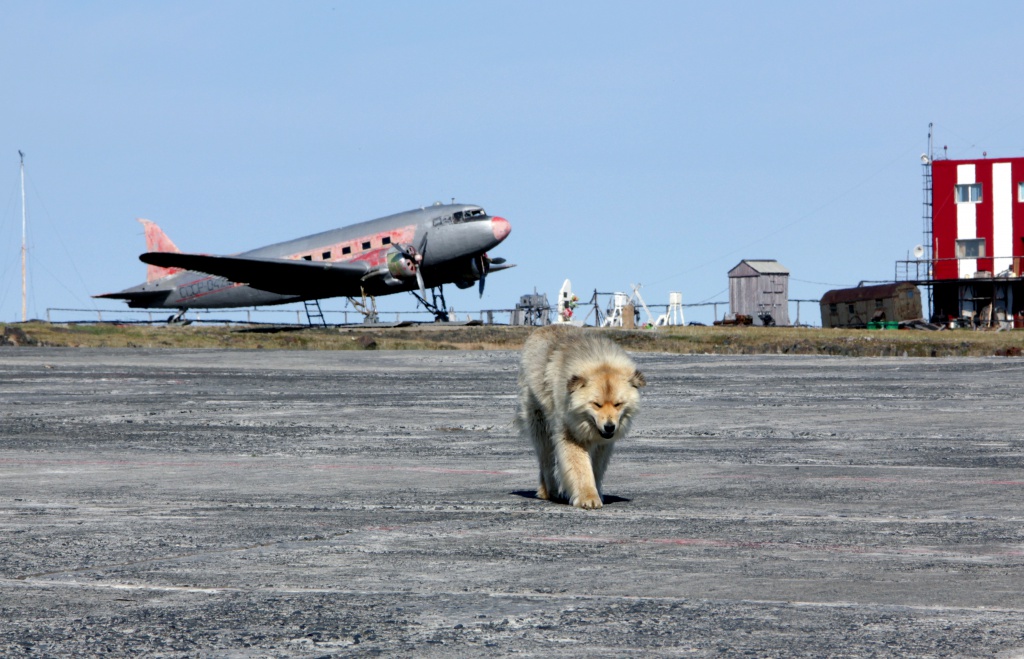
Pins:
x: 542, y: 492
x: 588, y: 501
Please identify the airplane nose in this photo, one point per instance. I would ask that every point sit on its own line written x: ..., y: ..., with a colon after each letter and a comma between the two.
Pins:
x: 500, y: 227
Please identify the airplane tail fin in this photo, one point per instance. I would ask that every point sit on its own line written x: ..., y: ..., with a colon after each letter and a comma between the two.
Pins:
x: 157, y: 241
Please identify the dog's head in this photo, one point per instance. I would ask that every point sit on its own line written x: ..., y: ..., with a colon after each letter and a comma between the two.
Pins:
x: 604, y: 399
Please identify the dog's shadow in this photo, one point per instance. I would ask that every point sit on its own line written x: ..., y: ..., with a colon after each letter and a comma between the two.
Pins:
x: 607, y: 499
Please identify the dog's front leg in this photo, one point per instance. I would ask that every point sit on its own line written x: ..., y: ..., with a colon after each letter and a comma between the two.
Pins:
x: 599, y: 457
x: 577, y: 474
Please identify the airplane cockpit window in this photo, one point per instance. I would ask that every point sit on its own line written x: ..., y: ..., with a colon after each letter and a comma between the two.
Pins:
x: 458, y: 217
x: 469, y: 215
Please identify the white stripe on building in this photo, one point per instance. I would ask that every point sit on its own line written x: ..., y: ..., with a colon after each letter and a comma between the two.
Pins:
x: 1002, y: 218
x: 966, y: 221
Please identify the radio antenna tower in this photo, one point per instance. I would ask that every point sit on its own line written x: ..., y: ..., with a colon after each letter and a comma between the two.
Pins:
x: 926, y: 172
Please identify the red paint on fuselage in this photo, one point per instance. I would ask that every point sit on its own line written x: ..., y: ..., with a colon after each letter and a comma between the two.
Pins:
x: 374, y: 255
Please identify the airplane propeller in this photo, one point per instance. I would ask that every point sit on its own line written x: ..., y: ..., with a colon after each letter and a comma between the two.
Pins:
x: 416, y: 257
x: 485, y: 265
x: 419, y: 264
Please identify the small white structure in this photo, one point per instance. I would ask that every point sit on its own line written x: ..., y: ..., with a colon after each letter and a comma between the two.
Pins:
x: 674, y: 314
x: 616, y: 308
x: 622, y: 310
x: 567, y: 302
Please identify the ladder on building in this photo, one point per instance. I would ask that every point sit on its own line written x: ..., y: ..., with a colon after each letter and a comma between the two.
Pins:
x: 313, y: 313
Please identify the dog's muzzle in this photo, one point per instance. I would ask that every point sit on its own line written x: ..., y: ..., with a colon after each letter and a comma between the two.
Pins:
x: 608, y: 431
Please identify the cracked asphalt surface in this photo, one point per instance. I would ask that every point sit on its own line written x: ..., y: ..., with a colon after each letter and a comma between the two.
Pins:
x: 291, y: 504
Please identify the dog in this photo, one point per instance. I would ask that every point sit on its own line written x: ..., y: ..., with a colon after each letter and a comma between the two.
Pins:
x: 578, y: 393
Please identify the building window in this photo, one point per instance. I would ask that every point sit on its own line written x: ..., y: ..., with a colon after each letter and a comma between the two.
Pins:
x: 307, y: 257
x: 386, y: 240
x: 968, y: 194
x: 346, y: 250
x: 1020, y: 191
x: 326, y: 256
x: 366, y: 245
x: 879, y: 303
x: 970, y: 248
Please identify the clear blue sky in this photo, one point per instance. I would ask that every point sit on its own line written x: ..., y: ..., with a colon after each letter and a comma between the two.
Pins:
x: 650, y: 142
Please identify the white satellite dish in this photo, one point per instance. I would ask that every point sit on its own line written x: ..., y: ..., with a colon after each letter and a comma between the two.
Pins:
x: 919, y: 251
x: 925, y: 159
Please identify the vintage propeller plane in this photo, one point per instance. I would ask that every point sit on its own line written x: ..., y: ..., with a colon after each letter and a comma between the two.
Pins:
x: 407, y: 252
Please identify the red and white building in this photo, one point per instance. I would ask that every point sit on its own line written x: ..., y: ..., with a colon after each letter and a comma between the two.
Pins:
x: 977, y: 238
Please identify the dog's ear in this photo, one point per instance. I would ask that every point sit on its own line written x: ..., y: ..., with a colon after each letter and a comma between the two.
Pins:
x: 638, y: 380
x: 575, y: 382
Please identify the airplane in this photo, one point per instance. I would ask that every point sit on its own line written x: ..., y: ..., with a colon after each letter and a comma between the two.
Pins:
x: 406, y: 252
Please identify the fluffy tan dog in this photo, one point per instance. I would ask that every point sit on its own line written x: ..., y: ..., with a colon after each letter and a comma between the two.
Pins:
x: 578, y: 392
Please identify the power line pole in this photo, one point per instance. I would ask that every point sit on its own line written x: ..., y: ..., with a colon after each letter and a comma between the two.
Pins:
x: 24, y: 246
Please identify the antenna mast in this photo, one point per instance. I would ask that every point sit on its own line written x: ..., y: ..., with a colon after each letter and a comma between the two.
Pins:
x: 926, y: 170
x: 927, y: 209
x: 24, y: 245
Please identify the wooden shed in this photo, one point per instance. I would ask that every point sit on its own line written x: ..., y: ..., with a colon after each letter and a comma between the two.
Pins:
x: 759, y: 288
x: 856, y: 307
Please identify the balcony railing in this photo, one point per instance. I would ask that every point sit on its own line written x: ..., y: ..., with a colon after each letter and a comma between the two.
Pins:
x: 923, y: 270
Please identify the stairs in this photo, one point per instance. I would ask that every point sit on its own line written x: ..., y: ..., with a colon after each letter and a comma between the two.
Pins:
x: 314, y: 316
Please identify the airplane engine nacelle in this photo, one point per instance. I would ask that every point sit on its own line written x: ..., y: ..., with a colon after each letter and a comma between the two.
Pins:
x: 402, y: 265
x: 470, y: 273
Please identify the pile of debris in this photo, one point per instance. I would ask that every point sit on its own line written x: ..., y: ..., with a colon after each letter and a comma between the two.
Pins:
x: 15, y: 336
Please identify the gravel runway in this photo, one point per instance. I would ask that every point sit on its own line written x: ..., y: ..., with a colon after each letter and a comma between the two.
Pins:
x: 176, y: 503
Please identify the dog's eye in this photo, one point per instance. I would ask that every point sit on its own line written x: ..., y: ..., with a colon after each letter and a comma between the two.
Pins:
x: 597, y: 406
x: 618, y: 405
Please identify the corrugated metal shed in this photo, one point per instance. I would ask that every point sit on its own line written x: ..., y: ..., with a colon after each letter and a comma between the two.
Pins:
x: 856, y: 307
x: 759, y: 288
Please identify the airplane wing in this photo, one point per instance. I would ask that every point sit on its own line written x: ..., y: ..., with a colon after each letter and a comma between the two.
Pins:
x: 284, y: 276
